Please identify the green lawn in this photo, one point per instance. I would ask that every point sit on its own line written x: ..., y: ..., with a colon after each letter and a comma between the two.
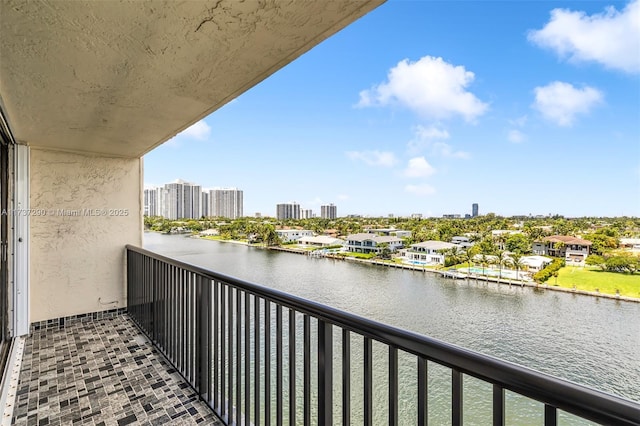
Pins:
x: 590, y: 279
x: 359, y: 255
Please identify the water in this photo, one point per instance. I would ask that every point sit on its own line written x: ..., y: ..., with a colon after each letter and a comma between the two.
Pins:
x: 591, y: 341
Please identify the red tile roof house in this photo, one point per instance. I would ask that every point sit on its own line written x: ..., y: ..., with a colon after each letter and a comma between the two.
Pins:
x: 573, y: 249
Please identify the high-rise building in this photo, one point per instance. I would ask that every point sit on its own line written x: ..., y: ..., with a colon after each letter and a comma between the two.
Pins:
x: 151, y: 202
x: 174, y: 200
x: 162, y: 207
x: 288, y: 211
x: 205, y: 203
x: 226, y: 202
x: 192, y: 201
x: 306, y: 214
x: 474, y: 209
x: 183, y: 200
x: 329, y: 211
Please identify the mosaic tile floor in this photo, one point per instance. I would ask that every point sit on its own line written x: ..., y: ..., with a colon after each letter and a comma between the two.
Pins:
x: 102, y: 372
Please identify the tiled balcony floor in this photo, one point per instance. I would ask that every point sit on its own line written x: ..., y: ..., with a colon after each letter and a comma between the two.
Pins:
x: 102, y: 372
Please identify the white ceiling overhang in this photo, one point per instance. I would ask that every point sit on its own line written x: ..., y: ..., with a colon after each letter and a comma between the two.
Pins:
x: 120, y: 78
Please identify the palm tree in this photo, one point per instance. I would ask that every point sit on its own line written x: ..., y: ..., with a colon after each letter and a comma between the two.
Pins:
x: 467, y: 255
x: 501, y: 258
x: 484, y: 261
x: 516, y: 261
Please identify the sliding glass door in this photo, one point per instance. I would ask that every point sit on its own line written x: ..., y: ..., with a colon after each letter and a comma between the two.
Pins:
x: 4, y: 236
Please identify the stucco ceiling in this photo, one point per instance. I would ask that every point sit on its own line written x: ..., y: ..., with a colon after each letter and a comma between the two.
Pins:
x: 120, y: 78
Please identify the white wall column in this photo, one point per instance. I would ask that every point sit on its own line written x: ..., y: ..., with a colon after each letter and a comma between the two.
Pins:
x: 21, y: 229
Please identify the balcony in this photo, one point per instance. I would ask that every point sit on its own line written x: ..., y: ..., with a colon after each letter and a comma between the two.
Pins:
x: 197, y: 347
x: 100, y: 370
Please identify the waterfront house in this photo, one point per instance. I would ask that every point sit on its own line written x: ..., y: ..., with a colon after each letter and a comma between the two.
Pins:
x: 370, y: 243
x: 572, y: 249
x: 630, y: 243
x: 427, y: 252
x: 320, y: 241
x: 535, y: 263
x: 292, y: 235
x: 462, y: 242
x: 400, y: 233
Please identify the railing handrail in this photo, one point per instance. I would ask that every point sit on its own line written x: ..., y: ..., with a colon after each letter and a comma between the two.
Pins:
x: 563, y: 394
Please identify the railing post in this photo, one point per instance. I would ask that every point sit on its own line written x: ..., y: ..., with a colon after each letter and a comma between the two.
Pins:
x: 203, y: 339
x: 346, y: 378
x: 368, y: 382
x: 456, y: 397
x: 422, y: 392
x: 498, y: 405
x: 550, y: 415
x: 393, y: 386
x: 325, y: 373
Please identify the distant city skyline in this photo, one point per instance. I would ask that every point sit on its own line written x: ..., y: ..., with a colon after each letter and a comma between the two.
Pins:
x: 180, y: 199
x: 428, y: 107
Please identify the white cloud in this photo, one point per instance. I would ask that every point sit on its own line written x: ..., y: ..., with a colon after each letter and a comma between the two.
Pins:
x: 611, y: 38
x: 374, y: 158
x: 431, y: 87
x: 199, y: 130
x: 343, y: 197
x: 419, y: 167
x: 515, y: 136
x: 424, y: 189
x: 560, y: 102
x: 432, y: 138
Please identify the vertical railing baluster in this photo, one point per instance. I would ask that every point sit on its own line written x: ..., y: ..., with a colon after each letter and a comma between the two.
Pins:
x: 368, y: 382
x: 203, y: 326
x: 423, y: 412
x: 325, y: 373
x: 256, y: 360
x: 210, y: 349
x: 180, y: 319
x: 194, y: 329
x: 307, y: 369
x: 223, y: 348
x: 216, y: 350
x: 393, y: 386
x: 167, y: 306
x: 189, y: 309
x: 498, y: 405
x: 292, y: 367
x: 456, y: 397
x: 230, y: 411
x: 174, y: 320
x: 267, y: 362
x: 346, y: 377
x: 185, y: 321
x: 238, y: 356
x: 247, y: 358
x: 279, y: 401
x: 157, y: 271
x: 550, y: 415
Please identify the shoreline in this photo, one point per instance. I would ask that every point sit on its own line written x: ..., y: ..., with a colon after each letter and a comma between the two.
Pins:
x: 440, y: 272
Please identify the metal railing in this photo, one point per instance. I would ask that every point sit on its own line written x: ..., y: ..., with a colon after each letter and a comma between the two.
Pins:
x: 249, y: 350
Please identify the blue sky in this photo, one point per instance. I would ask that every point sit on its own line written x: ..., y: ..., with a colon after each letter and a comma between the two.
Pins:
x: 429, y: 106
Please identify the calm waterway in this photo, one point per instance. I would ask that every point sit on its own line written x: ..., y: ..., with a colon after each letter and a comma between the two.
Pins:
x: 588, y: 340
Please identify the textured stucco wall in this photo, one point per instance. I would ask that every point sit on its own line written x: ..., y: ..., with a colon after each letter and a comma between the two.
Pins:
x: 77, y: 256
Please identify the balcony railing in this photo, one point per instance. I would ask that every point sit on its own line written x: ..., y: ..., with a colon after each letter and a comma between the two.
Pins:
x: 226, y: 337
